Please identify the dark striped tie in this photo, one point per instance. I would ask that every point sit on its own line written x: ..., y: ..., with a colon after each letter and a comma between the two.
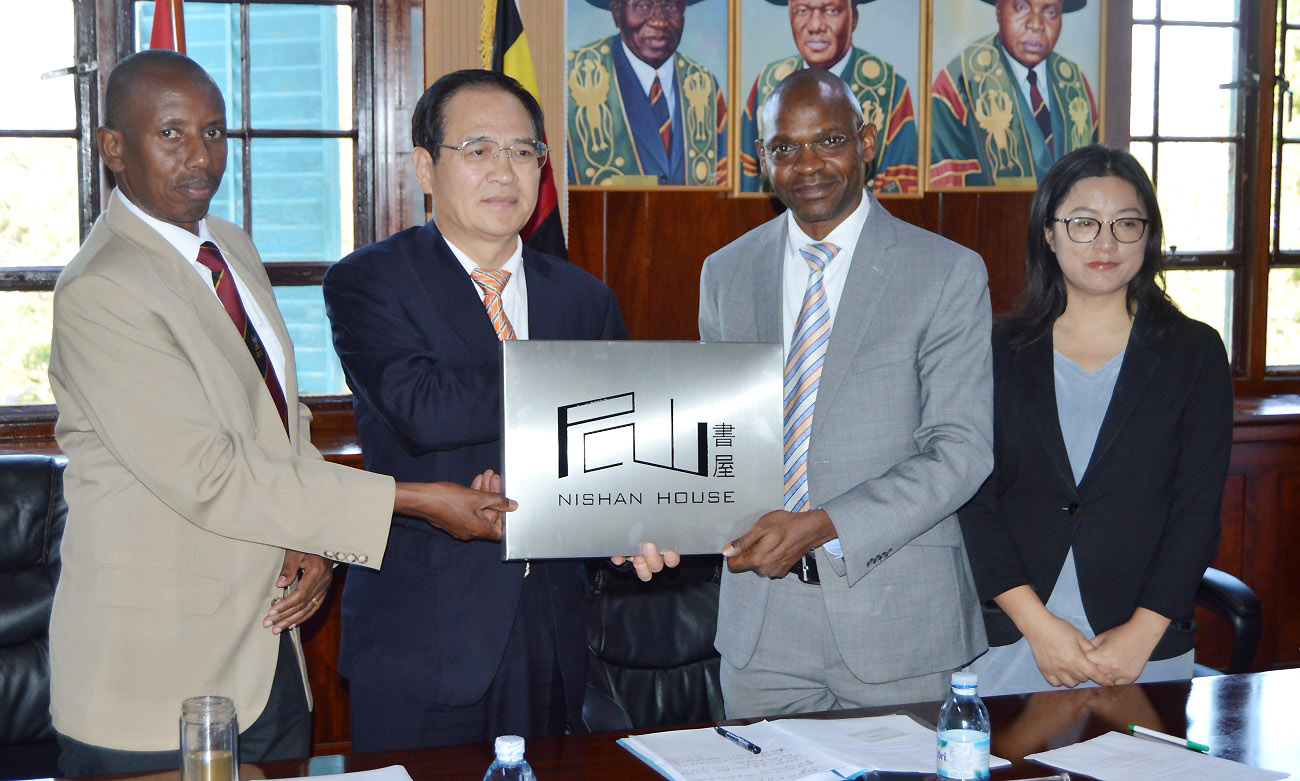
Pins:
x: 228, y: 293
x: 659, y: 107
x: 1041, y: 115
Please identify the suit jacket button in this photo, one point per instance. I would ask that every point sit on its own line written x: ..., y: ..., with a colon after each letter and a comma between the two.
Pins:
x: 1073, y: 509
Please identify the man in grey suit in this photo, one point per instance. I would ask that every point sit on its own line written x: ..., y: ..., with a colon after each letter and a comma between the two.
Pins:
x: 859, y: 591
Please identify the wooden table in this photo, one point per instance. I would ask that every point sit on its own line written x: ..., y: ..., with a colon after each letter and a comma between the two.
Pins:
x: 1241, y: 717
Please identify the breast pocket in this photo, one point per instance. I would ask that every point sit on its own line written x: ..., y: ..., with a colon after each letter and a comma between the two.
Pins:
x: 888, y: 354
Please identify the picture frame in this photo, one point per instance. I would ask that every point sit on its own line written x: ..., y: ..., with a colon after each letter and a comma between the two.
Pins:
x: 983, y: 132
x: 615, y: 139
x: 884, y: 67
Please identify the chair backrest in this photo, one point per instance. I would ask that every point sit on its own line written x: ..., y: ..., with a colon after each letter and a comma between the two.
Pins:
x: 651, y: 660
x: 32, y: 514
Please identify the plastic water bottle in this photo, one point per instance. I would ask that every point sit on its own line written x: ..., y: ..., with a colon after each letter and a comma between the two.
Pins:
x: 511, y: 766
x: 963, y: 732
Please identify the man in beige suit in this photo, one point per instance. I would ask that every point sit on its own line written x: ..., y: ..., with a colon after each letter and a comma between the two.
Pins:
x: 200, y: 517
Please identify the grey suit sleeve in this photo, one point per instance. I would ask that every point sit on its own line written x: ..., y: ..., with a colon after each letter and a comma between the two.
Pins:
x: 953, y: 436
x: 710, y: 328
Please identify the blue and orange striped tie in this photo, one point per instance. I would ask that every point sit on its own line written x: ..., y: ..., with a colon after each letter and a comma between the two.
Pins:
x: 803, y: 370
x: 492, y: 283
x: 659, y: 108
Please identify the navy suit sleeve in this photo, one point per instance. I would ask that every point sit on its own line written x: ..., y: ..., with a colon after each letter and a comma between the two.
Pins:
x: 395, y: 367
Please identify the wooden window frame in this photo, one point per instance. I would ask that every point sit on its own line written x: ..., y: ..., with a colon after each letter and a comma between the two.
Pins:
x: 385, y: 32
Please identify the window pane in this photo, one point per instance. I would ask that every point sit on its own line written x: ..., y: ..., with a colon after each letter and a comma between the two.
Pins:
x: 228, y: 203
x: 1143, y: 80
x: 1292, y: 12
x: 1286, y: 100
x: 1286, y: 215
x: 1144, y: 9
x: 1283, y: 342
x: 34, y: 39
x: 211, y: 40
x: 1200, y: 10
x: 38, y: 201
x: 1142, y: 151
x: 1205, y: 295
x: 1196, y: 185
x: 26, y: 321
x: 301, y: 67
x: 319, y: 371
x: 302, y: 198
x: 1194, y: 61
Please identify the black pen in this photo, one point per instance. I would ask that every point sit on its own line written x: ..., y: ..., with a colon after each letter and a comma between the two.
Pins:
x: 738, y: 740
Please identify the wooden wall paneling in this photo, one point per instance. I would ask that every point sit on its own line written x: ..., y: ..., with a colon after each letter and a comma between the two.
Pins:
x: 1287, y: 609
x: 1214, y: 638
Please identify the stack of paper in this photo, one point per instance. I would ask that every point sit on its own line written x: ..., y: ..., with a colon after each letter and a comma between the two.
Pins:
x: 1117, y: 757
x: 793, y: 750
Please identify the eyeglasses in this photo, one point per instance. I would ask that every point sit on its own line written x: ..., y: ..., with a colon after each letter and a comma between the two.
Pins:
x: 670, y: 9
x: 786, y: 152
x: 483, y: 152
x: 1082, y: 230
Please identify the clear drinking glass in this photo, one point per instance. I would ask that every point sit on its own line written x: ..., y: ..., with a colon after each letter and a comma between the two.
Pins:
x: 209, y: 739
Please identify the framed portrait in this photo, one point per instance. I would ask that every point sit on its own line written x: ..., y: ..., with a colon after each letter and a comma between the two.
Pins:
x: 1016, y: 85
x: 876, y: 46
x: 645, y: 94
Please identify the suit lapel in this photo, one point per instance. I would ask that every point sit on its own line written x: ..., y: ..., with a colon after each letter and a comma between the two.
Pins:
x: 768, y: 323
x: 1135, y: 373
x: 450, y: 289
x: 1035, y: 376
x: 874, y: 258
x: 547, y: 315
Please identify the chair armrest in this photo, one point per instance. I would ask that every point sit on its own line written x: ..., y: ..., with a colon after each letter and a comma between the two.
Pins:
x: 1233, y: 601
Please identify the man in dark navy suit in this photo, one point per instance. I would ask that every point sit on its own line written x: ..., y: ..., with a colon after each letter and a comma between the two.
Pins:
x: 450, y: 644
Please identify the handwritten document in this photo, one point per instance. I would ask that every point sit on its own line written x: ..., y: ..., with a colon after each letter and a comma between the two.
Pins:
x: 1118, y: 757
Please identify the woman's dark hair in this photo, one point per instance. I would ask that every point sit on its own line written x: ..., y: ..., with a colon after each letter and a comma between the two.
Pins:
x: 1043, y: 299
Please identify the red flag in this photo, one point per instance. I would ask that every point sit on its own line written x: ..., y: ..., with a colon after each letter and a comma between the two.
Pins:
x: 509, y: 55
x: 168, y: 26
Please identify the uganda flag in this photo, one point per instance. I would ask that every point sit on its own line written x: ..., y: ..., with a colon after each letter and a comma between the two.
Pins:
x: 506, y: 51
x: 168, y: 26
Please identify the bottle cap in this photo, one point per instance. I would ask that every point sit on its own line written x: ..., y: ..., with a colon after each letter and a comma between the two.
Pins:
x: 964, y: 680
x: 510, y: 748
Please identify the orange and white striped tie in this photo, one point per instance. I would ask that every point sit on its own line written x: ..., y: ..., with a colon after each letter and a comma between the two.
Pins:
x: 492, y: 283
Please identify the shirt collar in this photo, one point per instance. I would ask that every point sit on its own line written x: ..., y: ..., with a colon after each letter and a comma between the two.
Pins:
x: 845, y: 235
x: 1021, y: 74
x: 185, y: 242
x: 512, y: 265
x: 839, y: 67
x: 645, y: 74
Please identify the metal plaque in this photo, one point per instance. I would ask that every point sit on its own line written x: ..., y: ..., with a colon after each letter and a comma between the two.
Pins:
x: 609, y: 444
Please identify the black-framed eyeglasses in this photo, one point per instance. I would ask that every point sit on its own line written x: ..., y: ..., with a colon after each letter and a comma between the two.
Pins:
x: 1081, y: 230
x: 786, y: 152
x: 670, y: 9
x: 482, y: 152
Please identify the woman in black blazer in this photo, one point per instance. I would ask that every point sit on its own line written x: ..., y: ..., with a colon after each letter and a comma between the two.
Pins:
x: 1113, y: 422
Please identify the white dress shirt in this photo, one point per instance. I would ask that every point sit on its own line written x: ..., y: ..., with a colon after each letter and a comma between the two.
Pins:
x: 794, y: 283
x: 514, y: 296
x: 1021, y: 74
x: 188, y: 245
x: 646, y: 75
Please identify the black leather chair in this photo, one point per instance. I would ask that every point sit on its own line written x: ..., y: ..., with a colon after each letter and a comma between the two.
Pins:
x: 32, y: 513
x: 1234, y: 602
x: 650, y: 655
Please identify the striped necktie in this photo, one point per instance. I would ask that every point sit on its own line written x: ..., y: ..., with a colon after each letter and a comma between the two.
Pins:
x: 492, y: 283
x: 1041, y: 115
x: 210, y: 258
x: 659, y: 108
x: 803, y: 370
